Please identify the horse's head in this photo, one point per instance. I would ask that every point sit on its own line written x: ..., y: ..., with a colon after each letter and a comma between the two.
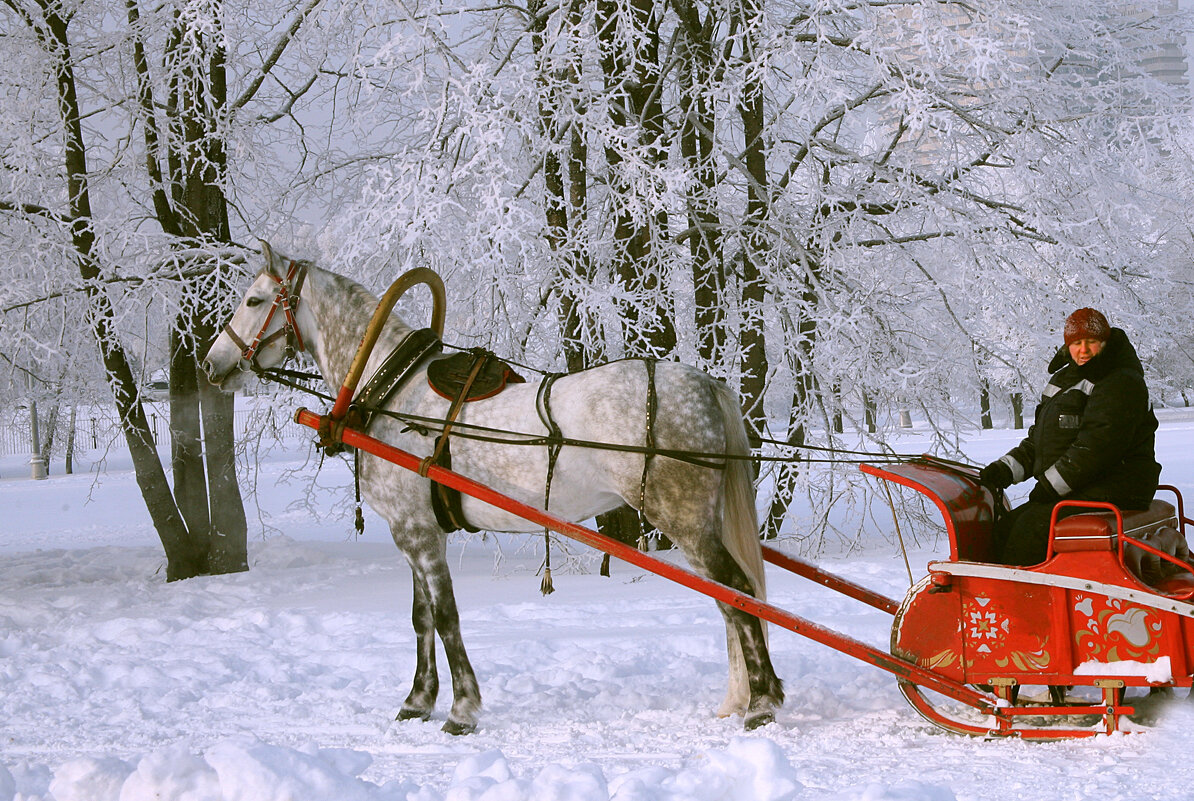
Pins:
x: 263, y: 332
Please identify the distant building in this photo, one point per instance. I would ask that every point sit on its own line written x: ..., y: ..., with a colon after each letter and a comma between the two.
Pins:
x: 1168, y: 61
x: 927, y: 35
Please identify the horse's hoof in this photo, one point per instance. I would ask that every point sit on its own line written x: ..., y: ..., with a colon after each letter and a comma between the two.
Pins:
x: 457, y: 729
x: 758, y: 719
x: 413, y: 714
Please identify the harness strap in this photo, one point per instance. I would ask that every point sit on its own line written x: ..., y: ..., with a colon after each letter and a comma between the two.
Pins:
x: 453, y: 411
x: 554, y: 435
x: 299, y: 277
x: 554, y: 443
x: 445, y: 501
x: 290, y: 286
x: 652, y: 409
x: 390, y: 376
x: 359, y: 520
x: 394, y: 372
x: 288, y: 299
x: 240, y: 343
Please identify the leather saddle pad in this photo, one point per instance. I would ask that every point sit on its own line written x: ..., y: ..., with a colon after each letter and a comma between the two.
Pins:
x: 448, y: 376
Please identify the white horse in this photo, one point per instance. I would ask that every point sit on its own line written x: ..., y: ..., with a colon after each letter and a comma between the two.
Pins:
x: 707, y: 510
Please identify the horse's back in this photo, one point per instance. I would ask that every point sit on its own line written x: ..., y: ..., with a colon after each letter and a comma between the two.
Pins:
x: 621, y: 404
x: 617, y: 401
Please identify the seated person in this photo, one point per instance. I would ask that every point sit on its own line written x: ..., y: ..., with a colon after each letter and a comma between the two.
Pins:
x: 1092, y: 439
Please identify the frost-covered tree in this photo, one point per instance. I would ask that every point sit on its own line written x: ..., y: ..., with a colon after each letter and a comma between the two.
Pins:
x: 40, y: 37
x: 843, y: 207
x: 854, y: 207
x: 115, y: 189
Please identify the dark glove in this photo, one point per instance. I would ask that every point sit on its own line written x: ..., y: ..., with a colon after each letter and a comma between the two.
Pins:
x: 1043, y: 492
x: 996, y: 476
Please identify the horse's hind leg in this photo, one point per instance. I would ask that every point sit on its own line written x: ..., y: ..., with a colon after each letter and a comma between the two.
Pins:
x: 709, y: 555
x: 766, y: 688
x: 425, y: 687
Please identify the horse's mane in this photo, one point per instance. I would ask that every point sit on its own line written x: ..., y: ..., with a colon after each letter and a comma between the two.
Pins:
x: 353, y: 289
x: 353, y: 295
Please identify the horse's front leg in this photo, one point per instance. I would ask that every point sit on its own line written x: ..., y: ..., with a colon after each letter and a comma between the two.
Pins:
x: 425, y: 687
x: 466, y: 694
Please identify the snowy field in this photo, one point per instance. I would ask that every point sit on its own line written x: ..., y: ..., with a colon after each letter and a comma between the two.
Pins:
x: 282, y: 683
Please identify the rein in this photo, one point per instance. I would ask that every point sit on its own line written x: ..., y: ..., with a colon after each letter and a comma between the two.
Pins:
x: 287, y: 299
x: 714, y: 461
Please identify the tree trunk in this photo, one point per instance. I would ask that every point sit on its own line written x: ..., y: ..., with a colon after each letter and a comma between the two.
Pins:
x: 754, y: 351
x: 984, y: 404
x: 839, y: 425
x: 69, y: 461
x: 1017, y: 410
x: 182, y: 558
x: 704, y: 234
x: 789, y: 471
x: 51, y: 427
x: 565, y: 201
x: 186, y: 439
x: 801, y: 338
x: 228, y: 547
x: 632, y: 76
x: 189, y: 202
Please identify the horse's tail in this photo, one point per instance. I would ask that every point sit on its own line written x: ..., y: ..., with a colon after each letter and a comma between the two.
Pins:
x: 740, y: 535
x: 739, y: 518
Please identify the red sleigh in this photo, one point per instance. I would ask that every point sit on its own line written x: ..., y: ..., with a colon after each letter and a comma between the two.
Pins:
x: 1106, y: 611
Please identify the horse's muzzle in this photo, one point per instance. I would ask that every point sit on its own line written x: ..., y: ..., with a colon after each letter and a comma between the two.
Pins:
x: 221, y: 378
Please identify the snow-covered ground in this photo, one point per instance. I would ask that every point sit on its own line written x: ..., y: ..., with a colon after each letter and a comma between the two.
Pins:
x: 282, y: 683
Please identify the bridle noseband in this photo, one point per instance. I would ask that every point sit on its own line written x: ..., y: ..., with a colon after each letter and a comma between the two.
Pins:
x: 287, y: 298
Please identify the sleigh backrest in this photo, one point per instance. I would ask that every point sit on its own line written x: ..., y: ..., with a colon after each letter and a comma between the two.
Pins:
x: 1148, y: 543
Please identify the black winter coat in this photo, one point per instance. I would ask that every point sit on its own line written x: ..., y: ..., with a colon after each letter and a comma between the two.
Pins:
x: 1094, y: 434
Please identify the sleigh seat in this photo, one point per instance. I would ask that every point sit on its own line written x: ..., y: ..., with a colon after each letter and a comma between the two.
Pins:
x: 1158, y: 527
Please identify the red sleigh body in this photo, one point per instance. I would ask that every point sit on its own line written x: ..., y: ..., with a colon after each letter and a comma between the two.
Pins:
x: 1083, y: 618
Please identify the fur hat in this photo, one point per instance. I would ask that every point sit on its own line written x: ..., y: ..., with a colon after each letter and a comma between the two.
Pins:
x: 1086, y: 324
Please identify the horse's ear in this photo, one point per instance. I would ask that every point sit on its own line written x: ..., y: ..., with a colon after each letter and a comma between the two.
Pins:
x: 268, y: 253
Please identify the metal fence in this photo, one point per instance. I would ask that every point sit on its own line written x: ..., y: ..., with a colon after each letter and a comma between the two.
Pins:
x: 98, y: 428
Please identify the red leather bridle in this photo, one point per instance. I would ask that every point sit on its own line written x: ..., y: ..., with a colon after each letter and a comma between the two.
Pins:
x: 287, y: 299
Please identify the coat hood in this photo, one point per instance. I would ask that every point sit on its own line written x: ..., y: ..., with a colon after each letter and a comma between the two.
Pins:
x: 1117, y: 354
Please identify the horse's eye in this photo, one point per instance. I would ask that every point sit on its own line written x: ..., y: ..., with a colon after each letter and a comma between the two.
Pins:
x: 251, y: 302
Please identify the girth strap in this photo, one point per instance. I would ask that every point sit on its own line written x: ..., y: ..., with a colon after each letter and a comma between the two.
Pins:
x: 445, y: 501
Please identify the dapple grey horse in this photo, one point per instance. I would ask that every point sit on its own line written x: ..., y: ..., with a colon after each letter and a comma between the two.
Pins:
x: 708, y: 510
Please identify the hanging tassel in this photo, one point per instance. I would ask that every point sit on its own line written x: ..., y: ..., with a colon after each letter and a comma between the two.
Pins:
x: 545, y: 587
x: 356, y: 474
x: 643, y: 544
